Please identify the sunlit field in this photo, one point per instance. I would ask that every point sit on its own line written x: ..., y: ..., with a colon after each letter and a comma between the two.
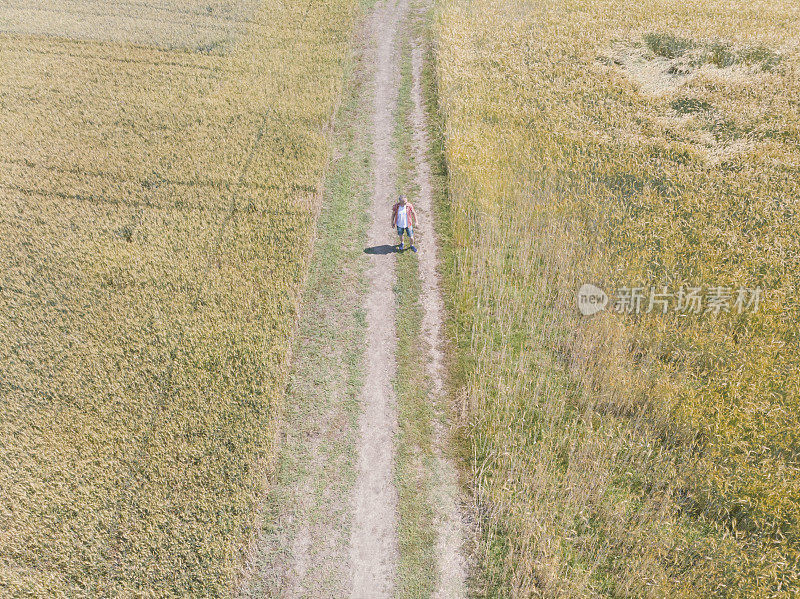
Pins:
x: 157, y: 202
x: 627, y: 145
x: 207, y: 26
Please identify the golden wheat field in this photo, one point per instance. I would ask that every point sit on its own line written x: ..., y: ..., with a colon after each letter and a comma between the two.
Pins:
x: 157, y: 198
x: 208, y: 26
x: 627, y: 145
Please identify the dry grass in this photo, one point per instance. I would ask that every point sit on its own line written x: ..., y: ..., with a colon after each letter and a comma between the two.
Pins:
x: 621, y: 455
x: 209, y: 26
x: 156, y: 209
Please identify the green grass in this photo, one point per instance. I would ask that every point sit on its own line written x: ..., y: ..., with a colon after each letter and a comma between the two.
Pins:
x: 417, y: 535
x: 668, y: 45
x: 721, y: 54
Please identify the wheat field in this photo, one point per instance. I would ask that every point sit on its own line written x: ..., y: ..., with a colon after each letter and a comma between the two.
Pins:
x: 157, y: 202
x: 208, y: 26
x: 626, y: 145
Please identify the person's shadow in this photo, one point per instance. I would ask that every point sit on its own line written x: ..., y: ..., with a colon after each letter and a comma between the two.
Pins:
x: 382, y: 250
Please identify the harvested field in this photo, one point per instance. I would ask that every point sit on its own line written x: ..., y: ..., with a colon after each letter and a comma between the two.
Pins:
x: 156, y: 210
x: 210, y: 26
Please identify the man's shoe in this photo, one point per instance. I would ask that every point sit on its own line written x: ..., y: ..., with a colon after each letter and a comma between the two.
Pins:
x: 400, y: 247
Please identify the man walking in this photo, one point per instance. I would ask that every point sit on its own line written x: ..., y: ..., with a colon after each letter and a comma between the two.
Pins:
x: 405, y: 219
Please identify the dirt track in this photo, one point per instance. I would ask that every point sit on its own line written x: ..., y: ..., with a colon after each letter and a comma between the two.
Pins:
x: 336, y: 529
x: 374, y: 536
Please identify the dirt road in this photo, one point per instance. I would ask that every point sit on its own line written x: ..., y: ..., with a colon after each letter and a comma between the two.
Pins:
x: 374, y: 550
x: 333, y: 509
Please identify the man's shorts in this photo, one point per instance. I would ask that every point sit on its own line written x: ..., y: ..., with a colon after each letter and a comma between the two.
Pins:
x: 407, y: 230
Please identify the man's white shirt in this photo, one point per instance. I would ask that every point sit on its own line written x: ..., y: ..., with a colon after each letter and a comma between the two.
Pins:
x: 402, y: 217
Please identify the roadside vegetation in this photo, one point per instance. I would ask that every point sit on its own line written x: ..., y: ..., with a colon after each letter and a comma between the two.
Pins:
x: 302, y: 545
x: 416, y: 532
x: 626, y: 144
x: 156, y: 212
